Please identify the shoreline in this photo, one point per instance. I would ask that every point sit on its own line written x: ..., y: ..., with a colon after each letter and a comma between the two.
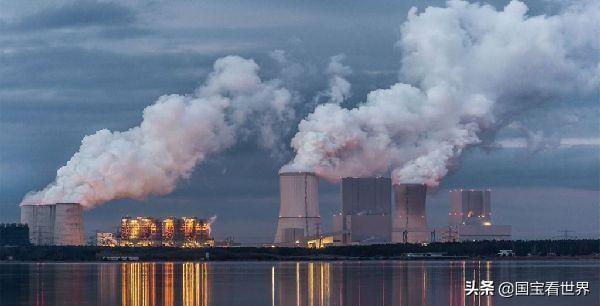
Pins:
x: 477, y: 250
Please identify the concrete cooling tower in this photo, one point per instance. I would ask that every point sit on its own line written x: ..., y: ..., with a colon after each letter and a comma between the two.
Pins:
x: 470, y: 207
x: 409, y: 222
x: 54, y: 224
x: 299, y: 207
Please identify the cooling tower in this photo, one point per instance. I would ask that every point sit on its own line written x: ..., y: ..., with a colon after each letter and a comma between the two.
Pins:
x: 366, y: 195
x: 409, y: 222
x: 470, y: 207
x: 366, y: 210
x: 54, y: 224
x: 299, y: 207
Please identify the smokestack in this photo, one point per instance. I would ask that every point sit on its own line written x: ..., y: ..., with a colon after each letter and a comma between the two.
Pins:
x: 410, y: 221
x: 299, y: 207
x: 54, y: 224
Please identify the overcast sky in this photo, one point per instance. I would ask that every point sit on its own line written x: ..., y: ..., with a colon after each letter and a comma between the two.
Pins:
x: 68, y: 69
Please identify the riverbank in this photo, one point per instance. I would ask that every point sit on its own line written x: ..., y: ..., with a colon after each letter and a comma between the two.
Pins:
x: 531, y: 249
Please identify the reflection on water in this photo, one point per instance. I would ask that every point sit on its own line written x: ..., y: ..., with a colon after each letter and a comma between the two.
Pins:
x: 280, y: 283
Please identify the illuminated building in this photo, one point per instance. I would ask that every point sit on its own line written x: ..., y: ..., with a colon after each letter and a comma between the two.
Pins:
x: 320, y: 242
x: 140, y: 231
x: 196, y: 232
x: 172, y: 235
x: 106, y: 239
x: 172, y: 232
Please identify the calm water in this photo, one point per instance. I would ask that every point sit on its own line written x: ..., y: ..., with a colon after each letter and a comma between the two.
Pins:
x: 284, y: 283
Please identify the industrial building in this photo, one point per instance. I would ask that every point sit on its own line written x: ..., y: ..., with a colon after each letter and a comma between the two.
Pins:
x: 106, y: 239
x: 14, y: 234
x: 173, y: 232
x: 409, y: 222
x: 54, y: 224
x: 196, y: 232
x: 470, y: 218
x: 140, y: 231
x: 365, y: 216
x: 470, y: 207
x: 299, y: 208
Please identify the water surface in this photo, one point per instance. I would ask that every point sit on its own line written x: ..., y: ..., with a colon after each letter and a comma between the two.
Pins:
x: 284, y: 283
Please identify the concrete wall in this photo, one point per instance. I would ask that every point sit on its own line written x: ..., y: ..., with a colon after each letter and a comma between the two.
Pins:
x: 366, y: 195
x: 369, y: 229
x: 40, y: 219
x: 68, y: 224
x: 299, y: 204
x: 54, y: 224
x: 409, y: 216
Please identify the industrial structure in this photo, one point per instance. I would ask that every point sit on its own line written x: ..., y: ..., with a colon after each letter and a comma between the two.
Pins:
x: 54, y: 224
x: 299, y: 208
x: 140, y: 231
x: 375, y: 211
x: 106, y: 239
x: 409, y: 222
x: 14, y: 234
x: 365, y: 216
x: 173, y: 232
x: 470, y: 217
x: 470, y: 207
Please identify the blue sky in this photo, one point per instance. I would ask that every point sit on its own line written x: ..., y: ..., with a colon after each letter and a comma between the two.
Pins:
x: 68, y: 69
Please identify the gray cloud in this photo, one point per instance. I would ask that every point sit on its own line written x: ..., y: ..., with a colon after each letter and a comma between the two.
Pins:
x: 76, y: 14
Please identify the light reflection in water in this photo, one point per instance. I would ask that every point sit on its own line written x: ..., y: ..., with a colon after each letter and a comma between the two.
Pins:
x: 276, y: 283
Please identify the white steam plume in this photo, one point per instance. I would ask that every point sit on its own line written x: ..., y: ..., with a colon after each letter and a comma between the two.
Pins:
x: 177, y: 133
x: 467, y: 68
x: 339, y: 87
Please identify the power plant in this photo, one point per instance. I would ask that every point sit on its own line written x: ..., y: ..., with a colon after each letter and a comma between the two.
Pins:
x: 54, y: 224
x: 373, y: 211
x: 365, y: 216
x: 190, y: 232
x: 299, y: 208
x: 470, y: 217
x: 470, y: 207
x: 409, y: 222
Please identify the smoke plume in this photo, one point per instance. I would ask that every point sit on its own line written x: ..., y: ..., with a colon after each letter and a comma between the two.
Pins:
x: 177, y: 133
x: 339, y: 87
x: 466, y: 70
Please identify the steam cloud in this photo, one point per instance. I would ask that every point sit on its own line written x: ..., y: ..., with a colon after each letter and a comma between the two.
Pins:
x: 177, y: 133
x: 339, y: 87
x: 466, y: 70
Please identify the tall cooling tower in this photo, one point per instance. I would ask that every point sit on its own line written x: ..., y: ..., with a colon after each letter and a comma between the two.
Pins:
x: 68, y: 224
x: 409, y: 222
x: 54, y: 224
x: 299, y: 207
x: 470, y: 207
x: 40, y: 219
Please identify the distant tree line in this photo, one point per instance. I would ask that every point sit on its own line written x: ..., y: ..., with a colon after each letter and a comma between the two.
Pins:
x: 476, y: 249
